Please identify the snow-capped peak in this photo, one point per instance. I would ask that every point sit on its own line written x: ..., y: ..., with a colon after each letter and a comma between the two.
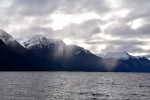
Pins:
x: 39, y: 40
x: 8, y: 39
x: 4, y: 36
x: 31, y: 40
x: 118, y: 55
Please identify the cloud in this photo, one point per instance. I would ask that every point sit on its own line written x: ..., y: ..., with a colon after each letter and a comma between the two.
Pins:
x: 144, y: 30
x: 129, y: 49
x: 118, y: 42
x: 126, y: 31
x: 97, y: 25
x: 75, y: 31
x: 131, y: 46
x: 139, y: 9
x: 82, y: 31
x: 46, y: 7
x: 33, y: 7
x: 34, y: 30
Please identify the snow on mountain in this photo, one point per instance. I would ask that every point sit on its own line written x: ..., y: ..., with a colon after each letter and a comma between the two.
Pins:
x: 118, y: 55
x: 40, y: 41
x: 28, y: 42
x: 22, y: 40
x: 4, y: 36
x: 78, y: 52
x: 7, y: 39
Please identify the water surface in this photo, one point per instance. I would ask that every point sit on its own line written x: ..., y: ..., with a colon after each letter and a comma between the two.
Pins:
x: 73, y: 85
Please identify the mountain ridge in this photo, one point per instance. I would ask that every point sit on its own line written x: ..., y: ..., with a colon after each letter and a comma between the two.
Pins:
x: 62, y: 55
x: 118, y: 55
x: 55, y: 55
x: 5, y: 37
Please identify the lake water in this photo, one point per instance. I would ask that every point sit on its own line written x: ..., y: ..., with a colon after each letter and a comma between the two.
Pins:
x: 73, y: 86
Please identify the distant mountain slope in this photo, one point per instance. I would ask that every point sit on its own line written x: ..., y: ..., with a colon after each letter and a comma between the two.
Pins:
x: 132, y: 63
x: 118, y: 55
x: 11, y: 60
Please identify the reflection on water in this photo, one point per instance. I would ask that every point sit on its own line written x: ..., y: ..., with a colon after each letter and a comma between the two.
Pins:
x: 73, y: 85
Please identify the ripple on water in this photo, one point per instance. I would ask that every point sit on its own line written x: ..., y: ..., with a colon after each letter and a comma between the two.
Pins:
x: 73, y: 86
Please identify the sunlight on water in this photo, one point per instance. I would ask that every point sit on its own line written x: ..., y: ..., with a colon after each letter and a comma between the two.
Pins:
x: 73, y: 85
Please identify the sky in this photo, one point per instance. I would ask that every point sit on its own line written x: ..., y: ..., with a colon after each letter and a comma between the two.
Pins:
x: 97, y: 25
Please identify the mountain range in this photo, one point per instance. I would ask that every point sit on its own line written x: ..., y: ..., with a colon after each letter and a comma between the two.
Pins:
x: 38, y: 53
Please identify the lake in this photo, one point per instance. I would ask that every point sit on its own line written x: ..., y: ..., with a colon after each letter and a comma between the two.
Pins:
x: 73, y: 85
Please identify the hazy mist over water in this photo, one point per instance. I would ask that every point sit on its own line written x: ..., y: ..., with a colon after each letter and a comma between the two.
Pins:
x: 73, y: 85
